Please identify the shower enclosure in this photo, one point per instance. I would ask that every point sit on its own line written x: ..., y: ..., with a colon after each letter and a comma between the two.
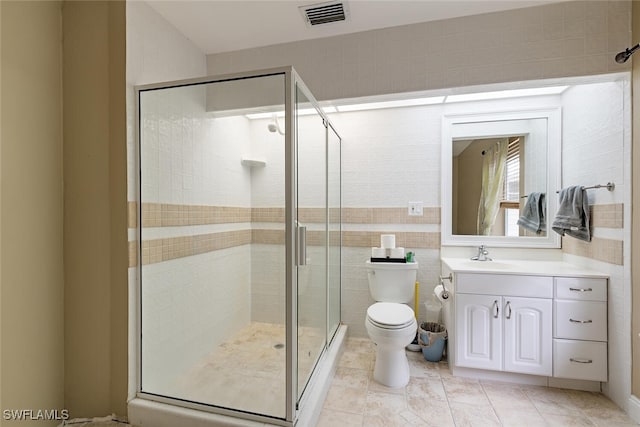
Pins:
x: 240, y: 244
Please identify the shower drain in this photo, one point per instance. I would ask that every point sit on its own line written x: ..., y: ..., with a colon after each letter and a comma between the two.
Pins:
x: 278, y: 346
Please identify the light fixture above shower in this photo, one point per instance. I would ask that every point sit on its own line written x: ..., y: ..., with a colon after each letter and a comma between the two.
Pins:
x: 419, y: 99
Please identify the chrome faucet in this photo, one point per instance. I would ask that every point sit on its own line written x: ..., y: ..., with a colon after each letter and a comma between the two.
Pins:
x: 482, y: 254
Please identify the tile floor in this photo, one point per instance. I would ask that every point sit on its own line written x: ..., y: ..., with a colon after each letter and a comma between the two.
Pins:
x: 435, y: 398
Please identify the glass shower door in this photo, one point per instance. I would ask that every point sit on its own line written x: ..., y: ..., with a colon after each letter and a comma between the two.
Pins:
x: 312, y: 237
x: 334, y: 202
x: 213, y: 254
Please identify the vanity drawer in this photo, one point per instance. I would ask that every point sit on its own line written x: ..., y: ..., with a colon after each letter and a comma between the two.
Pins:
x: 505, y: 284
x: 581, y: 288
x: 582, y: 320
x: 581, y: 360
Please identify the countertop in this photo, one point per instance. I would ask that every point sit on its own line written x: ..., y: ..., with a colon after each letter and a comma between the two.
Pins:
x: 525, y: 267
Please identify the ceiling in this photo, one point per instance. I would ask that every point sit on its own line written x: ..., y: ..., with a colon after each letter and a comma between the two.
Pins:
x: 226, y: 25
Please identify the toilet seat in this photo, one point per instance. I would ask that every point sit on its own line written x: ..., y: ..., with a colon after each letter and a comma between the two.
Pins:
x: 390, y: 315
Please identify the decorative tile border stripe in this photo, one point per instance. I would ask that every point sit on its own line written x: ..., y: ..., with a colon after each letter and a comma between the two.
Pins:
x: 605, y: 250
x: 133, y: 253
x: 132, y: 213
x: 170, y: 215
x: 267, y: 215
x: 425, y: 240
x: 158, y: 250
x: 430, y: 215
x: 166, y: 215
x: 268, y: 237
x: 158, y: 215
x: 607, y: 216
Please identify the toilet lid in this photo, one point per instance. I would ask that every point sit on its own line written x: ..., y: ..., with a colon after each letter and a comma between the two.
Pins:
x: 390, y: 314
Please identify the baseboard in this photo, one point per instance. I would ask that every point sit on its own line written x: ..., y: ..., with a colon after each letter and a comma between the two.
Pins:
x: 634, y: 408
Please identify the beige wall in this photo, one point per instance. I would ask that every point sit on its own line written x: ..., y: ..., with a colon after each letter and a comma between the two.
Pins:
x: 63, y: 323
x: 95, y: 211
x: 31, y: 200
x: 635, y: 236
x: 563, y: 39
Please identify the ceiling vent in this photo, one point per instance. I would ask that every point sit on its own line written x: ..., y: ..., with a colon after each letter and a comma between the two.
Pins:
x: 325, y: 13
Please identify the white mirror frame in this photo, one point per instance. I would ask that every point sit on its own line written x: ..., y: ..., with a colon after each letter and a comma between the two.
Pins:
x: 554, y: 179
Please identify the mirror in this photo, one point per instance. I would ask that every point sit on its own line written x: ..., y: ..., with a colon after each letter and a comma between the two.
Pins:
x: 498, y: 169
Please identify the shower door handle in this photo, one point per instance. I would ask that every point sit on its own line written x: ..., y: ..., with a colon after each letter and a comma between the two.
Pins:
x: 302, y: 245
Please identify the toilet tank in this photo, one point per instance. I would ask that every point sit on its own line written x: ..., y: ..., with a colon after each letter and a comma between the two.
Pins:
x: 392, y: 282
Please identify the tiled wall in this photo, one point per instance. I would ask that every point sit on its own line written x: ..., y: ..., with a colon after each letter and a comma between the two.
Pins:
x: 603, y: 249
x: 390, y: 158
x: 597, y: 150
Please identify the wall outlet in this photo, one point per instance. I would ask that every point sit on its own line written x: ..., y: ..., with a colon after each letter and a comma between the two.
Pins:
x: 415, y: 209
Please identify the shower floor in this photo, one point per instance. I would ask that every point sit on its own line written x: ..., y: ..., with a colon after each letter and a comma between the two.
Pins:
x: 247, y: 371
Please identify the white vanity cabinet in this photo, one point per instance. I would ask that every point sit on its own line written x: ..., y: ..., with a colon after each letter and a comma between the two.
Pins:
x: 535, y: 322
x: 580, y: 328
x: 504, y: 323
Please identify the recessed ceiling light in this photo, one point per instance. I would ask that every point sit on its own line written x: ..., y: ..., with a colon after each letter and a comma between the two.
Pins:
x: 551, y: 90
x: 254, y: 116
x: 391, y: 104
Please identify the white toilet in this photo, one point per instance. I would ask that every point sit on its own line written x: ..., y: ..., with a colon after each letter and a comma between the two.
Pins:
x: 391, y: 323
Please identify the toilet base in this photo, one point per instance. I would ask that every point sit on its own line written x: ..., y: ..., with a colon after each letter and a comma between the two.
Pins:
x: 391, y: 368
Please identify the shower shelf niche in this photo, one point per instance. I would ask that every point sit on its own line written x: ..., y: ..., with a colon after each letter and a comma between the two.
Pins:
x: 253, y: 163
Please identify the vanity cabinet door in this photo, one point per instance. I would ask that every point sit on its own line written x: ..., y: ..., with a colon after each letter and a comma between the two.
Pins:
x: 528, y: 339
x: 479, y: 331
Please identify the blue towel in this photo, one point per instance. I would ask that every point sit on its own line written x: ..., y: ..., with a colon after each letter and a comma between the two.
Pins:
x: 572, y: 218
x: 534, y: 213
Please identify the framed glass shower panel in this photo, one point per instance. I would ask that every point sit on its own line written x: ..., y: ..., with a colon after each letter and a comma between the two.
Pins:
x: 212, y: 280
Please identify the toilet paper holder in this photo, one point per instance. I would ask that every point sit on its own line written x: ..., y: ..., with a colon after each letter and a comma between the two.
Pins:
x: 449, y: 278
x: 445, y: 293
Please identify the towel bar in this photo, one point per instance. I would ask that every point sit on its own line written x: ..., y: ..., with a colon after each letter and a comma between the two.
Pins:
x: 609, y: 186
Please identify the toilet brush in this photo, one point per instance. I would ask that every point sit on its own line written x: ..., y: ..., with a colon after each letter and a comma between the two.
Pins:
x: 414, y: 346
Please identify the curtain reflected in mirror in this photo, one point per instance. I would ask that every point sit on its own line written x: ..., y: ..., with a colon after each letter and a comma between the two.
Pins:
x: 490, y: 190
x: 494, y: 161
